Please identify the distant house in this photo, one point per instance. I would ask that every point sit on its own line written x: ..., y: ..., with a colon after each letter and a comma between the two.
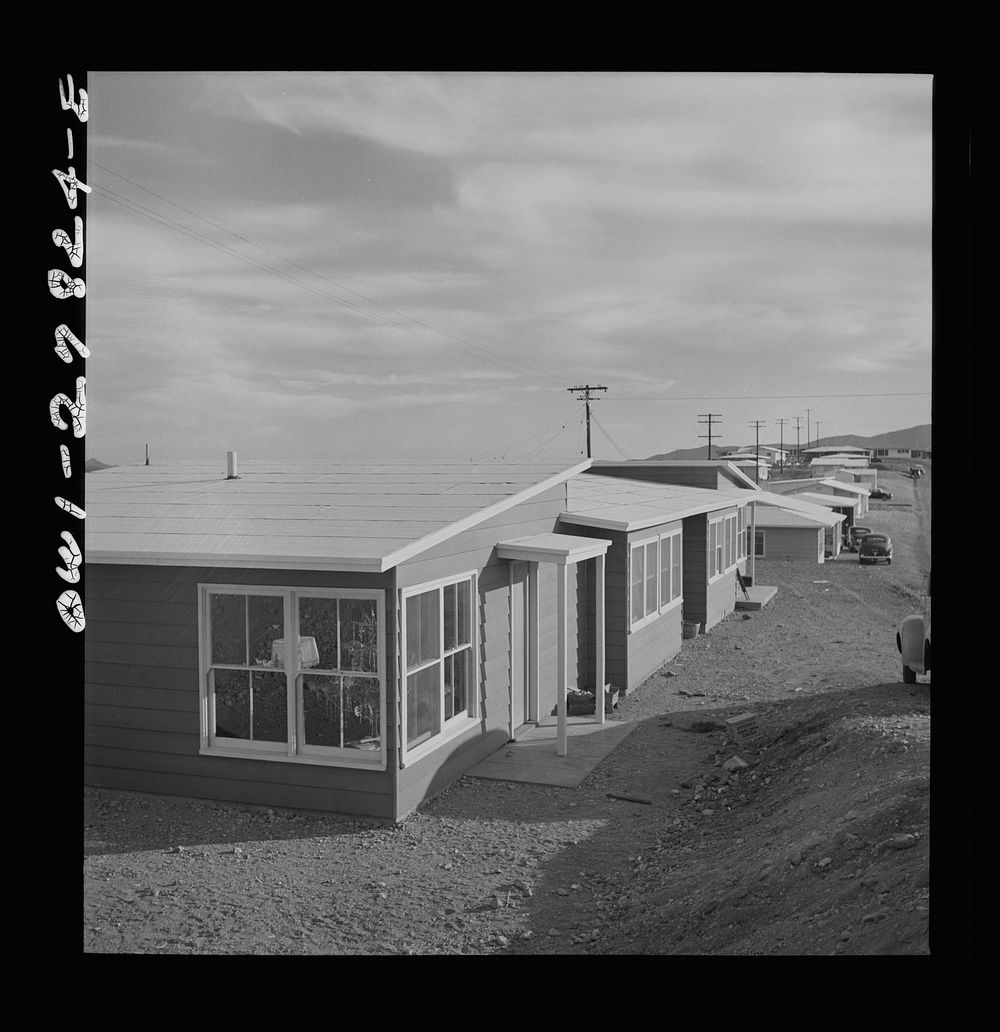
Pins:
x: 826, y: 464
x: 782, y: 534
x: 754, y: 467
x: 714, y: 473
x: 353, y: 639
x: 787, y: 527
x: 848, y: 450
x: 864, y: 477
x: 825, y: 485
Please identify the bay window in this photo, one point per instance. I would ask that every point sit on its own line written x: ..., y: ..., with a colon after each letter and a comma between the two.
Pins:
x: 439, y: 659
x: 318, y: 700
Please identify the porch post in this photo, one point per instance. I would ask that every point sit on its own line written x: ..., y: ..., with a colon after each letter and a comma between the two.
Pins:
x: 561, y: 658
x: 533, y: 641
x: 752, y: 544
x: 599, y: 639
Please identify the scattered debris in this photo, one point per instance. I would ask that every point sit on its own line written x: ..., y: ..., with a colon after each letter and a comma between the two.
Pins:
x: 630, y: 799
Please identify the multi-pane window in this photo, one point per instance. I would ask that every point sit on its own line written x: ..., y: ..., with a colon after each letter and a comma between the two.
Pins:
x: 322, y: 701
x: 715, y: 547
x: 741, y: 534
x: 439, y: 658
x: 758, y: 542
x: 655, y: 575
x: 723, y: 543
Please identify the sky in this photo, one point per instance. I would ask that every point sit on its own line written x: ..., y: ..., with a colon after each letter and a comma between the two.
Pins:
x: 414, y: 267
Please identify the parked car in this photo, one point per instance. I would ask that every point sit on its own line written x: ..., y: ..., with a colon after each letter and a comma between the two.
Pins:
x: 875, y: 548
x: 916, y: 471
x: 913, y: 640
x: 855, y: 535
x: 879, y: 493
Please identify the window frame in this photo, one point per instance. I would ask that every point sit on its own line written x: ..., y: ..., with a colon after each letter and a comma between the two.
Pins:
x: 448, y: 727
x: 761, y: 554
x: 295, y: 749
x: 723, y: 557
x: 661, y: 607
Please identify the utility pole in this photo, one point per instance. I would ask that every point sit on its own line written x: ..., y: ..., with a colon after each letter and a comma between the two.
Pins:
x: 147, y: 454
x: 781, y: 446
x: 707, y: 417
x: 587, y: 388
x: 756, y: 424
x: 807, y: 429
x: 798, y: 443
x: 817, y: 432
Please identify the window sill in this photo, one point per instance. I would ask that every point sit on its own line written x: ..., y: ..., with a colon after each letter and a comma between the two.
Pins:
x: 377, y: 762
x: 452, y: 731
x: 653, y: 617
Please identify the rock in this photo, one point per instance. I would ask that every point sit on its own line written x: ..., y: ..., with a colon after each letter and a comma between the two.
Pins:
x: 527, y: 935
x: 553, y: 932
x: 735, y: 763
x: 851, y: 815
x: 899, y: 842
x: 502, y: 940
x: 707, y: 813
x: 878, y: 915
x: 825, y: 862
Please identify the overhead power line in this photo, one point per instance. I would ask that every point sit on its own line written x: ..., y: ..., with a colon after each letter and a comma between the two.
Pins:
x: 614, y: 443
x: 764, y: 397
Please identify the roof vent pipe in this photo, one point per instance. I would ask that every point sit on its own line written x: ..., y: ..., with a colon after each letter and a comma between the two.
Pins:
x: 231, y: 467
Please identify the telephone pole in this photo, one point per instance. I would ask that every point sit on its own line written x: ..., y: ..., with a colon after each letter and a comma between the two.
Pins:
x: 757, y: 424
x: 587, y: 388
x: 707, y: 417
x: 808, y: 437
x: 817, y: 432
x: 781, y: 446
x: 798, y: 443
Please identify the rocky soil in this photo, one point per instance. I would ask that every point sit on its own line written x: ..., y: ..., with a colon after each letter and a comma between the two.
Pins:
x: 813, y: 838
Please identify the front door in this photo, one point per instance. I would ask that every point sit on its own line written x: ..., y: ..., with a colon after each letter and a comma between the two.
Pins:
x: 518, y: 645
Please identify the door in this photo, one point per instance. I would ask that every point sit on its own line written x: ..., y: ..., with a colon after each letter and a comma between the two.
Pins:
x: 518, y: 645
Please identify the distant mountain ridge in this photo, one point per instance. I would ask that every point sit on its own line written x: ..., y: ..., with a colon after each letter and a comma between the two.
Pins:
x: 913, y: 437
x: 93, y: 464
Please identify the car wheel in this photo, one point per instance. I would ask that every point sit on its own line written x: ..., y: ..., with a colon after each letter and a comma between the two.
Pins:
x: 909, y: 676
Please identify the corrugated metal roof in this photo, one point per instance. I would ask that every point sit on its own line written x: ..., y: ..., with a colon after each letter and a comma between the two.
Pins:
x: 617, y: 503
x: 302, y: 515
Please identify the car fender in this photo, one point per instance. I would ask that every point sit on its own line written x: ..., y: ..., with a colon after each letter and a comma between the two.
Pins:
x: 910, y: 642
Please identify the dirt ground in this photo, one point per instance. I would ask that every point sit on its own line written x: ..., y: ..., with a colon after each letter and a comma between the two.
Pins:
x: 815, y: 842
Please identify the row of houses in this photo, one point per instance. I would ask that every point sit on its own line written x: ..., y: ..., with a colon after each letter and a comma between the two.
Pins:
x: 354, y: 639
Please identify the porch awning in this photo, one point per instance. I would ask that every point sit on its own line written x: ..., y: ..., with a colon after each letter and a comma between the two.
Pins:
x: 561, y: 549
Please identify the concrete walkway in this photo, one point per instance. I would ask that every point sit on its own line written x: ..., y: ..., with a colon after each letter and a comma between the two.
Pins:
x: 532, y: 758
x: 760, y: 595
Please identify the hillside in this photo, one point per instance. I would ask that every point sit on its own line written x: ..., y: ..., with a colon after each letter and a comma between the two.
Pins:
x: 912, y: 437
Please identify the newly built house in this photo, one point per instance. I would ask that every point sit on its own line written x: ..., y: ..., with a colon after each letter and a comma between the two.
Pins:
x: 353, y: 639
x: 784, y: 533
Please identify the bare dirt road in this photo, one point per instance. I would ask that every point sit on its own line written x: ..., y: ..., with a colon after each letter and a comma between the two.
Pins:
x: 815, y: 842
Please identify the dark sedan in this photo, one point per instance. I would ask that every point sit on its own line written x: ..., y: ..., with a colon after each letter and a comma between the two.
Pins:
x: 876, y: 548
x: 879, y: 493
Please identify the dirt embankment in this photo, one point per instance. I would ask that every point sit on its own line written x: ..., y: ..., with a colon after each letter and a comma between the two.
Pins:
x: 816, y: 841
